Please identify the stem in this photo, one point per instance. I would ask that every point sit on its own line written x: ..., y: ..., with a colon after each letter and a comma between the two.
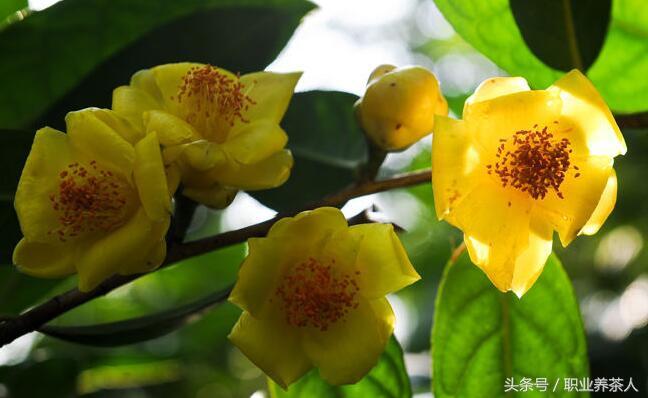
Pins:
x: 34, y: 318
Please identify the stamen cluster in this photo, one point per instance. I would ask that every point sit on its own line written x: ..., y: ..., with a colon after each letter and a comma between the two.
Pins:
x: 87, y: 200
x: 312, y: 295
x: 533, y: 161
x: 213, y: 96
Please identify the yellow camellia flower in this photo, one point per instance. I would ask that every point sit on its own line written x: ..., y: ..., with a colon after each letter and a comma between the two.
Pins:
x: 221, y: 130
x: 93, y: 201
x: 521, y: 164
x: 399, y: 105
x: 313, y: 294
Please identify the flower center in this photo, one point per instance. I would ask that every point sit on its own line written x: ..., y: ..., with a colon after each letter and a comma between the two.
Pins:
x: 212, y: 101
x: 313, y: 295
x: 88, y: 200
x: 533, y: 161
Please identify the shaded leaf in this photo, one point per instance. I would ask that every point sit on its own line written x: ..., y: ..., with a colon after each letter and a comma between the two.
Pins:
x: 138, y: 329
x: 327, y: 144
x: 388, y: 379
x: 564, y: 34
x: 482, y: 336
x: 619, y: 71
x: 52, y: 51
x: 14, y: 148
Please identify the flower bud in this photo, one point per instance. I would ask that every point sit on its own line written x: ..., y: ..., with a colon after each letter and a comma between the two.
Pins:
x: 399, y: 105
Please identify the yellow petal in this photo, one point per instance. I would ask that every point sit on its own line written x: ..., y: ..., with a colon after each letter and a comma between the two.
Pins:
x: 145, y: 80
x: 311, y: 224
x: 202, y: 155
x: 382, y: 261
x: 268, y: 173
x: 152, y: 260
x: 131, y: 103
x: 173, y: 178
x: 530, y: 261
x: 150, y: 178
x: 130, y: 244
x: 494, y: 231
x: 259, y: 275
x: 44, y: 260
x: 255, y: 141
x: 216, y: 197
x: 583, y: 105
x: 581, y: 196
x: 170, y: 129
x: 496, y: 87
x: 454, y: 161
x: 603, y: 208
x: 273, y: 346
x: 499, y: 118
x: 49, y: 155
x: 350, y: 347
x: 95, y: 139
x: 119, y: 124
x: 271, y: 93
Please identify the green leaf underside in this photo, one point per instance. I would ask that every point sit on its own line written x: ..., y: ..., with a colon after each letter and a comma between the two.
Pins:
x: 564, y: 34
x: 137, y: 329
x: 618, y: 72
x: 388, y: 379
x: 8, y: 7
x: 49, y: 59
x: 482, y: 336
x: 327, y: 144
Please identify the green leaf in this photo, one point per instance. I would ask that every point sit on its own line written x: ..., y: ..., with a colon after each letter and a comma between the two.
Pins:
x: 482, y: 336
x: 619, y: 71
x: 53, y: 51
x: 564, y: 34
x: 138, y: 329
x: 8, y: 7
x: 327, y: 144
x: 388, y: 379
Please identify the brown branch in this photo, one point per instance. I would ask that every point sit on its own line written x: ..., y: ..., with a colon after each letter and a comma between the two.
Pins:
x: 34, y: 318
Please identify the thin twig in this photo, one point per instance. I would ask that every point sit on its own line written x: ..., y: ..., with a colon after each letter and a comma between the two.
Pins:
x: 632, y: 121
x: 34, y: 318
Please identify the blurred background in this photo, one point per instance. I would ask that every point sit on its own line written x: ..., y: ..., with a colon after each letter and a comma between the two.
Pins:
x: 337, y: 45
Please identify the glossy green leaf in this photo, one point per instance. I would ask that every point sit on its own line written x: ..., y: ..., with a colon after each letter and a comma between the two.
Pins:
x: 564, y: 34
x: 138, y: 329
x: 388, y: 379
x: 49, y: 57
x: 482, y: 336
x: 618, y: 72
x: 8, y: 7
x: 327, y: 144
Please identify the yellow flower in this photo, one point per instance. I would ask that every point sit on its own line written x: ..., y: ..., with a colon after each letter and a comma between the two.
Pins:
x: 399, y: 105
x: 93, y: 201
x: 521, y: 164
x: 220, y: 130
x: 313, y: 292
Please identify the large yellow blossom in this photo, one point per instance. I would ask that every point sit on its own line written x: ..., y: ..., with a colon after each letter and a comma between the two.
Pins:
x: 399, y: 105
x: 521, y: 164
x: 313, y: 292
x: 93, y: 201
x: 222, y: 131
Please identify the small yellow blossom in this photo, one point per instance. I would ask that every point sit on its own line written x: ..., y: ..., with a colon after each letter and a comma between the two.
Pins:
x: 313, y: 294
x: 93, y: 201
x: 399, y: 105
x: 521, y: 164
x: 220, y: 130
